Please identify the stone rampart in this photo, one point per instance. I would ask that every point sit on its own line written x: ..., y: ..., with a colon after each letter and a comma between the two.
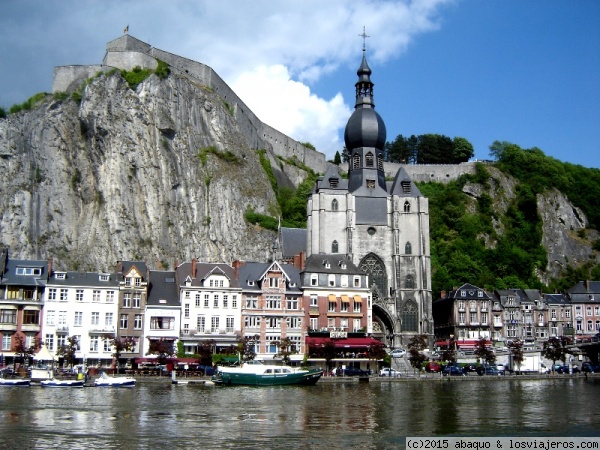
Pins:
x: 70, y: 78
x: 440, y: 173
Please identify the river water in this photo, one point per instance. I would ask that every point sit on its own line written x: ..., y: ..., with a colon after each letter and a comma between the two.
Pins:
x: 332, y: 415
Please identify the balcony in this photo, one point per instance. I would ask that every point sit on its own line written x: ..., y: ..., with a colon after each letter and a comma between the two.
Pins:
x: 8, y: 326
x: 31, y: 327
x: 62, y: 329
x: 498, y: 324
x: 103, y: 330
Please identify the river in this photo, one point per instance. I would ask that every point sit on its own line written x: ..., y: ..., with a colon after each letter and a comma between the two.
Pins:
x: 331, y: 415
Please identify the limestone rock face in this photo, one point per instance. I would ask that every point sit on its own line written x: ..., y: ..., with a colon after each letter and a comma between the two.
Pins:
x: 159, y: 174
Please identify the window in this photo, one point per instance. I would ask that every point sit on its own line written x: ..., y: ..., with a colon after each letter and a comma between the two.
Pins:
x: 62, y: 318
x: 588, y: 311
x: 410, y: 314
x: 334, y: 205
x: 50, y: 342
x: 314, y: 301
x: 229, y: 321
x: 331, y: 280
x: 104, y: 277
x: 49, y: 317
x: 273, y: 322
x: 162, y: 323
x: 356, y: 281
x: 409, y: 282
x: 332, y: 306
x: 234, y: 301
x: 6, y: 342
x: 63, y: 295
x: 356, y: 161
x: 273, y: 282
x: 344, y: 323
x: 294, y: 322
x: 371, y: 184
x: 187, y: 295
x: 200, y: 323
x: 31, y: 317
x: 52, y: 294
x: 225, y: 301
x: 356, y: 325
x: 568, y: 313
x: 406, y: 207
x: 110, y: 296
x: 334, y: 247
x: 405, y: 189
x: 314, y: 280
x: 137, y: 321
x: 214, y: 324
x: 137, y: 281
x: 251, y: 303
x: 344, y: 280
x: 461, y: 318
x: 78, y: 319
x: 124, y: 321
x: 369, y: 159
x: 590, y: 326
x: 345, y: 306
x: 216, y: 301
x: 357, y: 306
x: 331, y: 322
x: 108, y: 319
x: 186, y: 311
x: 408, y: 248
x: 60, y: 275
x: 94, y: 343
x: 107, y: 345
x: 186, y: 328
x: 127, y: 300
x: 273, y: 302
x: 78, y: 295
x: 272, y: 344
x: 292, y: 303
x: 96, y: 296
x: 197, y: 299
x: 473, y: 317
x: 380, y: 162
x: 206, y: 300
x: 95, y: 318
x: 8, y: 316
x: 137, y: 299
x: 252, y: 322
x: 29, y: 271
x: 314, y: 323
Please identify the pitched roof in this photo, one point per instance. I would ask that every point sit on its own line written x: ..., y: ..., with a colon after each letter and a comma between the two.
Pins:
x: 10, y: 277
x: 162, y: 289
x: 83, y: 279
x: 293, y: 241
x: 251, y: 273
x: 338, y: 263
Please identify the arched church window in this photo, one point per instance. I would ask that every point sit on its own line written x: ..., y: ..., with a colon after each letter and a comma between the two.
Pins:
x: 356, y: 161
x: 406, y: 206
x: 409, y: 282
x: 410, y: 316
x: 334, y: 247
x: 373, y: 266
x: 408, y: 248
x: 334, y: 205
x: 369, y: 159
x: 380, y: 162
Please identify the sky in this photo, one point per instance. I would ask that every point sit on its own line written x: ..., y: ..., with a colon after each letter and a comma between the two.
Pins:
x: 525, y: 72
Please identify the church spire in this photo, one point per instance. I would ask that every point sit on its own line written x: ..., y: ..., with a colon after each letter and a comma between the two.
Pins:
x: 364, y: 85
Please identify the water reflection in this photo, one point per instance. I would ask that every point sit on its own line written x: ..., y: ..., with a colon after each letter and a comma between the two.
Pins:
x: 332, y: 415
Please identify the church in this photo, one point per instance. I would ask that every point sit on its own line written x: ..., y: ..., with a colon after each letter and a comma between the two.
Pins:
x: 381, y: 226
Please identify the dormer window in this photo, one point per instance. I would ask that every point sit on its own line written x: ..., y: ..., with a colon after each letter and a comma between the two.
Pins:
x: 29, y: 271
x: 405, y: 187
x: 326, y: 264
x: 104, y: 277
x: 60, y: 275
x: 250, y: 282
x: 333, y: 182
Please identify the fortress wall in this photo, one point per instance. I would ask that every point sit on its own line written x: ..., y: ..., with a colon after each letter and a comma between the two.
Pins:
x: 440, y: 173
x: 69, y: 78
x: 287, y: 147
x: 128, y: 60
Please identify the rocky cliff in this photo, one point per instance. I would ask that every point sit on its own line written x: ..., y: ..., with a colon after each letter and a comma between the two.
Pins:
x: 160, y: 173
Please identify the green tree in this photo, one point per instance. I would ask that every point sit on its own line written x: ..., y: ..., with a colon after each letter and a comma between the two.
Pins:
x: 21, y: 350
x: 68, y: 350
x: 483, y: 352
x: 286, y: 347
x: 246, y: 347
x: 462, y: 150
x: 555, y: 349
x: 337, y: 159
x: 376, y: 352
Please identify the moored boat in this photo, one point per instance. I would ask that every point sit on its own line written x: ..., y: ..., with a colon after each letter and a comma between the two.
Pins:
x: 106, y: 381
x: 54, y: 383
x: 255, y: 373
x: 22, y: 382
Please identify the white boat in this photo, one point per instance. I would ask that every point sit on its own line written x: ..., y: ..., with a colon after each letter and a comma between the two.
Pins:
x: 54, y: 383
x: 105, y: 380
x: 23, y: 382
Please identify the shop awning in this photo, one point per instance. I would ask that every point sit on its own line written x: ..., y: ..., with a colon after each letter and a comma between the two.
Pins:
x: 345, y: 299
x: 332, y: 298
x: 343, y: 343
x: 357, y: 298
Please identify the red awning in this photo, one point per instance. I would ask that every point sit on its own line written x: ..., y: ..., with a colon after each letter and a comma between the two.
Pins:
x: 343, y: 343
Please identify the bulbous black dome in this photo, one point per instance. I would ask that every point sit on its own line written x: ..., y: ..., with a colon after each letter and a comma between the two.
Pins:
x: 365, y: 128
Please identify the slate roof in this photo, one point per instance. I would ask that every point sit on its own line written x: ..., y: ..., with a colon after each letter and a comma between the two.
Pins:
x: 556, y: 299
x: 254, y: 271
x: 203, y: 270
x: 471, y: 293
x: 139, y: 265
x: 83, y: 279
x: 585, y: 292
x: 162, y: 286
x: 315, y: 263
x: 10, y: 277
x: 293, y: 241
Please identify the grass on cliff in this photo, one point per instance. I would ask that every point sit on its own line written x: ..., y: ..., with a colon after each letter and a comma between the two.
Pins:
x: 139, y: 74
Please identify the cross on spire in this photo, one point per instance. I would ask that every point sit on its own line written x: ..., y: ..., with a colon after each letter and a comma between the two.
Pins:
x: 364, y: 35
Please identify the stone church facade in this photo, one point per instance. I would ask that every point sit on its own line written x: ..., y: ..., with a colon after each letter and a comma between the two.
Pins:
x: 382, y: 226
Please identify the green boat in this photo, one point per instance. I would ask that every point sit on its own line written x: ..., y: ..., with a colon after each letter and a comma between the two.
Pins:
x: 255, y: 373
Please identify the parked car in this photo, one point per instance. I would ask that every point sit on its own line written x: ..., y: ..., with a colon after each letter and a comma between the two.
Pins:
x: 501, y: 368
x: 453, y: 371
x: 587, y: 367
x: 389, y: 372
x: 488, y: 370
x: 352, y: 372
x: 398, y: 353
x: 565, y: 369
x: 470, y: 368
x: 432, y: 366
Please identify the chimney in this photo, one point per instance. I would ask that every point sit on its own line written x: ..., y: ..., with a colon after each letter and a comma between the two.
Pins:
x: 587, y: 285
x: 49, y: 267
x: 175, y: 265
x: 119, y: 267
x: 443, y: 294
x: 194, y: 267
x: 236, y: 266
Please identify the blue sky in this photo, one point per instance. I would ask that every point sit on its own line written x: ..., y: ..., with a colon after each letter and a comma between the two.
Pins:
x: 527, y: 72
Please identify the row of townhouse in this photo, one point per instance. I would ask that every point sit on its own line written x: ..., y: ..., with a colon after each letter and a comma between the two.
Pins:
x: 469, y: 313
x: 197, y: 304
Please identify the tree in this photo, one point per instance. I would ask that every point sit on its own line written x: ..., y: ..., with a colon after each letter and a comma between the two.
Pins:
x: 286, y: 348
x: 376, y: 352
x: 515, y: 350
x: 345, y: 155
x: 68, y: 350
x: 462, y: 151
x: 555, y: 349
x: 326, y: 350
x: 337, y: 159
x: 163, y: 348
x: 246, y: 347
x: 21, y: 350
x: 483, y: 352
x: 415, y: 349
x: 119, y: 346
